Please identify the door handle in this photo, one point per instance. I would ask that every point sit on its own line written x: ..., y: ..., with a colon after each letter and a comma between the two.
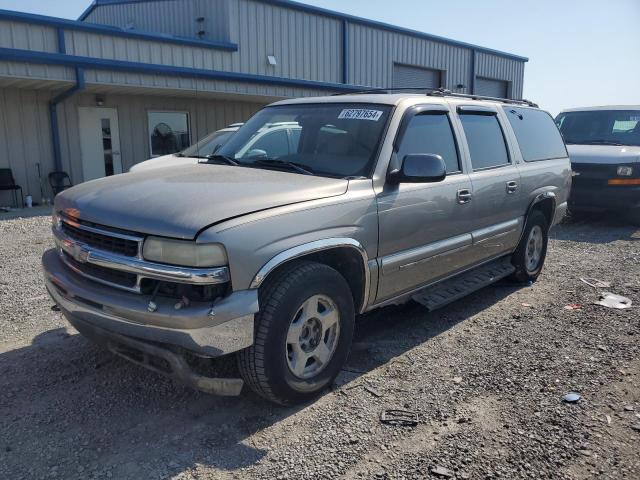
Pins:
x: 512, y: 187
x: 464, y: 196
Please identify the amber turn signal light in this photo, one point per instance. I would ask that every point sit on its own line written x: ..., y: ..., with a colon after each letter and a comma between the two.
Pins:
x: 624, y: 181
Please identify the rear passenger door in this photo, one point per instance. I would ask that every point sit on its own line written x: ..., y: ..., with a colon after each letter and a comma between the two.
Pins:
x: 497, y: 218
x: 424, y: 230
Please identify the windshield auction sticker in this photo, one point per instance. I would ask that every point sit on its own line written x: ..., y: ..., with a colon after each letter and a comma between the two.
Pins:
x: 360, y: 114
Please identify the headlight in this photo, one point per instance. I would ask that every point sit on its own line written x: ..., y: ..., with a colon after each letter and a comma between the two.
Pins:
x: 184, y: 253
x: 625, y: 171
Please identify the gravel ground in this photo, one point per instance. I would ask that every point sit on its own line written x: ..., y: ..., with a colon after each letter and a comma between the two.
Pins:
x: 485, y: 376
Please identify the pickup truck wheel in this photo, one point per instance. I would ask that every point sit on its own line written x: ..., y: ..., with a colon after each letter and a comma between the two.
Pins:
x: 531, y: 252
x: 303, y: 333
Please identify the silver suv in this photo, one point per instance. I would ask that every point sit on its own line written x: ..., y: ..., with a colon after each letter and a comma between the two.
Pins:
x: 374, y: 199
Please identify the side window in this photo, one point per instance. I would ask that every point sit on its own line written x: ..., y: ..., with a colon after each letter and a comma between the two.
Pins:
x: 487, y: 146
x: 276, y: 144
x: 431, y: 133
x: 537, y: 134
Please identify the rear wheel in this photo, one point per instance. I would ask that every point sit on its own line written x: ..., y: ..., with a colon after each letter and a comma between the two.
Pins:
x: 530, y: 255
x: 303, y: 333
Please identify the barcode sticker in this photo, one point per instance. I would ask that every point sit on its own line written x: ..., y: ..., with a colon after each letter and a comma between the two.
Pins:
x: 360, y: 114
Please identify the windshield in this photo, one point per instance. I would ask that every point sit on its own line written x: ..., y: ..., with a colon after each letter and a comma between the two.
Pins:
x: 208, y: 145
x: 334, y: 139
x: 600, y: 127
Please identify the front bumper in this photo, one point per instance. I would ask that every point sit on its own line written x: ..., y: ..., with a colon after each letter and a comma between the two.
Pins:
x: 204, y: 329
x: 606, y: 197
x: 590, y: 189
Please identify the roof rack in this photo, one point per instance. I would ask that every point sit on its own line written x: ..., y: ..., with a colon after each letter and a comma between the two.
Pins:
x: 441, y: 92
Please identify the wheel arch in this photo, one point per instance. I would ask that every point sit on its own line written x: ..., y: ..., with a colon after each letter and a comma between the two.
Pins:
x: 345, y: 255
x: 544, y: 202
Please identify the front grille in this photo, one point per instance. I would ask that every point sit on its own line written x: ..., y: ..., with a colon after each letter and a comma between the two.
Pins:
x: 116, y: 277
x: 101, y: 241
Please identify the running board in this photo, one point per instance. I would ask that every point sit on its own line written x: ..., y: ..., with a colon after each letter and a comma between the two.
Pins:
x: 461, y: 285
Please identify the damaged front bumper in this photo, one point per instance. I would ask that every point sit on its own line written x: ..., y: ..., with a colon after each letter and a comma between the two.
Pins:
x: 122, y: 322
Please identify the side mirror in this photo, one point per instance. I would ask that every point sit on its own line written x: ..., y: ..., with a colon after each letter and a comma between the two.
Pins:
x: 419, y: 168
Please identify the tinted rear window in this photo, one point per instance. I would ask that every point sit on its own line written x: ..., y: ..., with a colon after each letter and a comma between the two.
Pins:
x: 537, y: 134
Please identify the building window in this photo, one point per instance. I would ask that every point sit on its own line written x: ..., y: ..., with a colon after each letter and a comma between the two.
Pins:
x: 168, y: 132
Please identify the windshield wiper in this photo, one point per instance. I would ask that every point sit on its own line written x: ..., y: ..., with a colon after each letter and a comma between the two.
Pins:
x: 179, y: 154
x: 282, y: 163
x: 221, y: 158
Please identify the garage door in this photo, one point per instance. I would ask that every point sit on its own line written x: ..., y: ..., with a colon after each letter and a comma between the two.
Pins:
x: 408, y: 76
x: 492, y: 88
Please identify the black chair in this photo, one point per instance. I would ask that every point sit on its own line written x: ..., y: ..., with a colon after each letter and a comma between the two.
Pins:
x: 7, y: 182
x: 59, y: 181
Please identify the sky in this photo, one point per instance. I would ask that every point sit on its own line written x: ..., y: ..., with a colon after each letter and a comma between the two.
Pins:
x: 581, y: 52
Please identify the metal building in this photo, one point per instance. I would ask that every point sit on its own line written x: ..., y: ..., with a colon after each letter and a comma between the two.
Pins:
x: 132, y: 79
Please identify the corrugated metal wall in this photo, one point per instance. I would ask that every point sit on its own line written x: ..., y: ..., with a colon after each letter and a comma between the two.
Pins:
x: 501, y: 68
x: 178, y: 17
x: 205, y: 116
x: 25, y: 133
x: 306, y: 46
x: 28, y: 36
x: 25, y: 138
x: 373, y: 52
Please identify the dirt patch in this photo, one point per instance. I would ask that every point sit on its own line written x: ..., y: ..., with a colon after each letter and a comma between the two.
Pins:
x: 485, y: 376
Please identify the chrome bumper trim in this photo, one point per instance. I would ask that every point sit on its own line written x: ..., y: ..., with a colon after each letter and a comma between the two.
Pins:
x: 210, y: 329
x: 84, y: 253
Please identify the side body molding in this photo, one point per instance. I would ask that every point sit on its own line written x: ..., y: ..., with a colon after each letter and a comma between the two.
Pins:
x: 313, y: 247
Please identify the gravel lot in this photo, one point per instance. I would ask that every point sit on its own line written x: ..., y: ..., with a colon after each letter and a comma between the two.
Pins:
x: 486, y: 377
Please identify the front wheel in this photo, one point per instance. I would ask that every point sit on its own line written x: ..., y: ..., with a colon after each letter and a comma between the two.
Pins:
x: 303, y: 333
x: 528, y: 259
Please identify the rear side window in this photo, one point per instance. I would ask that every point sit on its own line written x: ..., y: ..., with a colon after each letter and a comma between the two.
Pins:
x: 537, y: 134
x: 431, y: 133
x: 487, y: 146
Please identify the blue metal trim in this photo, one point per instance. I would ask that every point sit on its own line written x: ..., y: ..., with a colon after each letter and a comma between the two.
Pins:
x: 87, y: 11
x: 53, y: 116
x: 345, y: 51
x: 62, y: 46
x: 109, y: 30
x: 16, y: 55
x: 343, y: 16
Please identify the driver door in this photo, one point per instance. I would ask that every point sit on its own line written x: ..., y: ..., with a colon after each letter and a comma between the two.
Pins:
x: 424, y: 229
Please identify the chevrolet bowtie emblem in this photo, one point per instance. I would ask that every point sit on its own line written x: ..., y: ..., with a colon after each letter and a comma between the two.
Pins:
x: 79, y: 254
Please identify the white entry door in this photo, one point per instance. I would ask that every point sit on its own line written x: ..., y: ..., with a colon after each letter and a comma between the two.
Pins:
x: 99, y: 142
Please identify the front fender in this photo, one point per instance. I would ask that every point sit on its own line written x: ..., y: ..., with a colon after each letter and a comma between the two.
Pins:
x: 257, y: 243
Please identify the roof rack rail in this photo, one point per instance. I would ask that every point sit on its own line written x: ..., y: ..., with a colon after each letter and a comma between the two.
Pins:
x: 441, y: 92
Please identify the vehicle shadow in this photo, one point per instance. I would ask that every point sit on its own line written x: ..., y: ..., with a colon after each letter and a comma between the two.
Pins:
x: 596, y: 228
x: 71, y: 410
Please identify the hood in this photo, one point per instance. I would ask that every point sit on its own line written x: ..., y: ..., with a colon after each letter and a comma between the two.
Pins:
x: 603, y: 154
x: 179, y: 202
x: 164, y: 161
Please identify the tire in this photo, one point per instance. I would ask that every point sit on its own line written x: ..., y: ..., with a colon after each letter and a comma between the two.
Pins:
x: 268, y: 365
x: 535, y: 230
